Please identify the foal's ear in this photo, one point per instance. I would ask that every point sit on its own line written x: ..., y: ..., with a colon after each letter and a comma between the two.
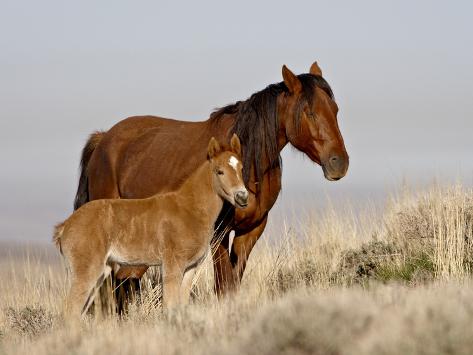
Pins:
x: 315, y: 69
x: 291, y: 80
x: 235, y: 144
x: 213, y: 149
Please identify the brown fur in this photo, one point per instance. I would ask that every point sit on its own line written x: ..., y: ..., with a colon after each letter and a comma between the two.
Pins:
x: 171, y: 229
x: 141, y: 156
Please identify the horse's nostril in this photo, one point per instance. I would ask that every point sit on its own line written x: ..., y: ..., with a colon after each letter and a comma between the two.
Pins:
x: 336, y: 166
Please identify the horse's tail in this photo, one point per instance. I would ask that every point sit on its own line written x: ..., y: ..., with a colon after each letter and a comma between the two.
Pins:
x: 82, y: 194
x: 58, y: 231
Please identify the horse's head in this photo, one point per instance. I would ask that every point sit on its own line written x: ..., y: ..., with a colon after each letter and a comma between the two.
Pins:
x: 310, y: 121
x: 226, y: 169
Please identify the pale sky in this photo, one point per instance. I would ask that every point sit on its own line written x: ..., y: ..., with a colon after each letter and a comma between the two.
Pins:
x: 401, y: 72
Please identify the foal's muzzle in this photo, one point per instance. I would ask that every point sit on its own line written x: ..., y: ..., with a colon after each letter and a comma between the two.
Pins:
x: 241, y: 198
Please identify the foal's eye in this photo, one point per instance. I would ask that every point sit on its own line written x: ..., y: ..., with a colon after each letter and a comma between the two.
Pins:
x: 220, y: 172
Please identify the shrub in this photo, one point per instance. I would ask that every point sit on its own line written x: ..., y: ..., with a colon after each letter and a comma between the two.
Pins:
x: 29, y: 321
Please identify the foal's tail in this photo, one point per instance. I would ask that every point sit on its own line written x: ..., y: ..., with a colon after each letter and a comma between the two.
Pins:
x: 82, y: 195
x: 58, y: 231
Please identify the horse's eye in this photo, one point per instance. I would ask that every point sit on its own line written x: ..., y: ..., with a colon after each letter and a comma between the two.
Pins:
x: 311, y: 115
x: 220, y: 172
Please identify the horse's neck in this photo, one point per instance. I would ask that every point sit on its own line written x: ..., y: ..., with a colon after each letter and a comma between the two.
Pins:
x: 198, y: 190
x: 282, y: 122
x: 222, y: 130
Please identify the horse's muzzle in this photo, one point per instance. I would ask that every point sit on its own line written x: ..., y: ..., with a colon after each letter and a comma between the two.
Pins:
x: 335, y: 167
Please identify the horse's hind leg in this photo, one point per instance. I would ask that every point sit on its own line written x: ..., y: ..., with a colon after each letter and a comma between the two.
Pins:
x: 186, y: 285
x: 127, y: 287
x: 96, y: 287
x: 85, y: 280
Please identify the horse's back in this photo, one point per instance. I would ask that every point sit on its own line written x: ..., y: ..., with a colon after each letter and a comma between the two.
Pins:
x: 143, y: 155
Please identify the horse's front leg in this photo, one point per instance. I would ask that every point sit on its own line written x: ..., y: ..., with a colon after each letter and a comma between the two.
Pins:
x: 229, y: 266
x: 241, y: 249
x: 223, y: 270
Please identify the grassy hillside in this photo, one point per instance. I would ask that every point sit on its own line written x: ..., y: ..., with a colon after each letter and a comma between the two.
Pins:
x: 339, y: 285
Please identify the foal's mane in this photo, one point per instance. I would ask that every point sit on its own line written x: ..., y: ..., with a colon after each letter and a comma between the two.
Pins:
x: 256, y: 122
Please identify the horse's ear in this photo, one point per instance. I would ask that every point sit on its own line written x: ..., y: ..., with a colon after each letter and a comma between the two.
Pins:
x: 292, y: 81
x: 235, y: 144
x: 213, y: 149
x: 315, y: 69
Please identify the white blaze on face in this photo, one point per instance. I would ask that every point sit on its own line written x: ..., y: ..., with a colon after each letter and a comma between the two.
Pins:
x: 233, y: 162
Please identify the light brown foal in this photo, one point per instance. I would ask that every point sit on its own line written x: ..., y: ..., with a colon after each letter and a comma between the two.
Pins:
x: 173, y: 230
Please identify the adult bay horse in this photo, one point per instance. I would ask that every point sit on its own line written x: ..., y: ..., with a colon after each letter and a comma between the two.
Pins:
x: 141, y: 156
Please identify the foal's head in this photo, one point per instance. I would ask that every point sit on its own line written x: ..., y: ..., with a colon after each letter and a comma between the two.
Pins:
x: 226, y: 170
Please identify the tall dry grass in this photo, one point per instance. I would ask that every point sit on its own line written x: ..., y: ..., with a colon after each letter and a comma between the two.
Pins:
x: 335, y: 283
x: 438, y: 224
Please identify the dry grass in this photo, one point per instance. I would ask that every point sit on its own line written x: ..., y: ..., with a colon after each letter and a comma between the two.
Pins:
x: 335, y: 284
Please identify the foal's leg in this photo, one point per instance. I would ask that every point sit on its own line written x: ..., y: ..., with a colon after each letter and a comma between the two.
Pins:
x: 172, y: 279
x: 86, y: 278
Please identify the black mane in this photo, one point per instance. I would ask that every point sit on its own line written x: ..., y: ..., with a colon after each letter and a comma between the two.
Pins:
x: 256, y: 122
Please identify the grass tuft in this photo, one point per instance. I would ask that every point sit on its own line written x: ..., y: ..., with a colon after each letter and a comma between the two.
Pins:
x: 29, y: 321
